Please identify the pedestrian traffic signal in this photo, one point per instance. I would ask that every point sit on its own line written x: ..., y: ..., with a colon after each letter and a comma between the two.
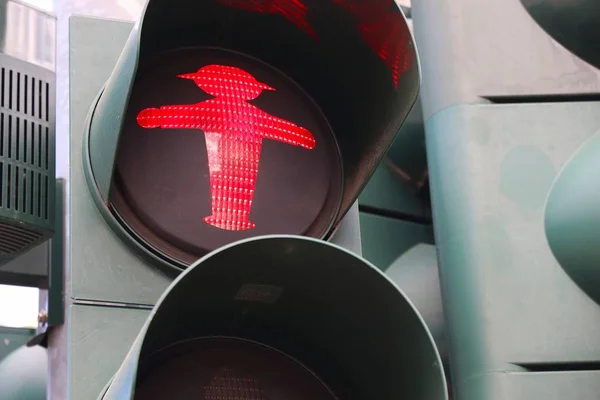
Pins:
x: 233, y: 131
x: 215, y: 105
x: 304, y: 320
x: 227, y: 119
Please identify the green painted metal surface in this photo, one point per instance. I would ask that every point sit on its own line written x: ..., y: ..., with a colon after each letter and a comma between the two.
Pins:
x: 385, y: 239
x: 574, y: 24
x: 407, y: 155
x: 556, y: 385
x: 101, y: 266
x: 471, y: 50
x: 24, y: 373
x: 28, y: 269
x: 305, y: 311
x: 397, y: 186
x: 56, y: 268
x: 572, y: 219
x: 506, y: 104
x: 386, y: 192
x: 13, y: 338
x: 511, y: 310
x: 415, y: 272
x: 99, y: 339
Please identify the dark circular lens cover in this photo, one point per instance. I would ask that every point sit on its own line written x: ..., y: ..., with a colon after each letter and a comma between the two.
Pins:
x: 217, y: 147
x: 221, y: 369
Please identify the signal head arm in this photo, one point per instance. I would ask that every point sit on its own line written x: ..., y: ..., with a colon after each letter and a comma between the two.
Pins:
x: 174, y: 117
x: 288, y: 132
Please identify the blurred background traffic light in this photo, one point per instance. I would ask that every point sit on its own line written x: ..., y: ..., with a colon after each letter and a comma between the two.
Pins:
x: 24, y: 374
x: 510, y: 93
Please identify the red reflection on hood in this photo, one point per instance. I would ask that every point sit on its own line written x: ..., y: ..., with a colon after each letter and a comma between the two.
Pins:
x: 385, y: 31
x: 293, y: 10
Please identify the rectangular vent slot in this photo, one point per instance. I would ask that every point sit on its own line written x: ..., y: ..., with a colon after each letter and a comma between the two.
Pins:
x: 2, y: 129
x: 47, y: 102
x: 25, y: 83
x: 40, y: 102
x: 7, y: 187
x: 18, y: 92
x: 3, y: 88
x: 9, y: 135
x: 17, y: 138
x: 33, y: 96
x: 10, y: 89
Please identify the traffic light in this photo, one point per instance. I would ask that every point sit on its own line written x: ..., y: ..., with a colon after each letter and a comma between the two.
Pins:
x: 24, y: 374
x: 300, y: 319
x: 27, y: 113
x: 131, y: 232
x: 228, y: 119
x: 510, y: 93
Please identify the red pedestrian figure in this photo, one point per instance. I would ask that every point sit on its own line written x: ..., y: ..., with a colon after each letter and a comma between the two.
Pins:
x: 233, y: 130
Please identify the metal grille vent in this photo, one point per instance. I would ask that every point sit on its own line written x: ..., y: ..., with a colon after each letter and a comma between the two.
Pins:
x: 26, y: 158
x: 13, y: 239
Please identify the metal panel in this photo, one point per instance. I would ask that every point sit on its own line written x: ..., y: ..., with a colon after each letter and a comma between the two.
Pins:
x: 574, y: 385
x: 471, y: 49
x: 28, y: 34
x: 385, y: 239
x: 396, y: 187
x: 99, y: 339
x: 509, y: 305
x: 386, y: 193
x: 13, y: 338
x: 102, y: 267
x: 29, y: 269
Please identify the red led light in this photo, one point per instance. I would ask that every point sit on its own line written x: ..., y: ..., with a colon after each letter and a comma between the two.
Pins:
x: 293, y: 10
x: 384, y: 31
x: 233, y: 130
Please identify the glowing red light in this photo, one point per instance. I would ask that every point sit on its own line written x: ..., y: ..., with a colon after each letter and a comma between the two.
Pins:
x: 233, y: 130
x: 293, y: 10
x: 384, y: 31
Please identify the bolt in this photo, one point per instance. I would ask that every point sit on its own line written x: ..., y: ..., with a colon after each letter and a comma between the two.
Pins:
x: 43, y: 317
